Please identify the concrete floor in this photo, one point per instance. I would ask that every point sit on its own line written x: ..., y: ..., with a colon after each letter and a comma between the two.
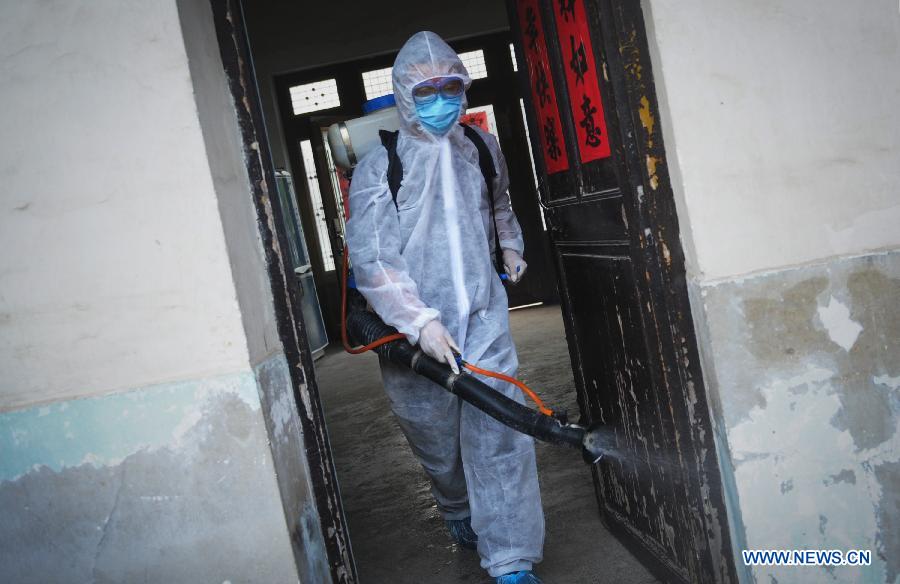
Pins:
x: 396, y: 531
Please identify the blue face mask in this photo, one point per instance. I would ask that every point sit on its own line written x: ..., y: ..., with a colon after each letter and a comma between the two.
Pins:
x: 439, y: 116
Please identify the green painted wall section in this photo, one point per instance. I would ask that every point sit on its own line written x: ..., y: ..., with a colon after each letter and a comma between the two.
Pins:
x: 104, y: 430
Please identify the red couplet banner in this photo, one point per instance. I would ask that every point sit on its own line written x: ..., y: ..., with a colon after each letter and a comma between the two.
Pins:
x: 581, y: 79
x: 543, y: 92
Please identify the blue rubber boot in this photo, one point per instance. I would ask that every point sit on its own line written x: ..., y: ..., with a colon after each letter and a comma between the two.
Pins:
x: 462, y: 532
x: 524, y: 577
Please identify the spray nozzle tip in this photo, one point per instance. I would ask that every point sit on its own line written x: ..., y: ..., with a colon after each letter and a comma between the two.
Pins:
x: 594, y: 444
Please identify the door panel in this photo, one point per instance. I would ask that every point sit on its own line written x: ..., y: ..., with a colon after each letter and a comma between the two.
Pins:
x: 638, y: 484
x: 583, y: 221
x: 614, y: 233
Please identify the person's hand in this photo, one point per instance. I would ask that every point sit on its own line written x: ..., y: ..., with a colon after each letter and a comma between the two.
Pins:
x: 514, y: 265
x: 437, y: 343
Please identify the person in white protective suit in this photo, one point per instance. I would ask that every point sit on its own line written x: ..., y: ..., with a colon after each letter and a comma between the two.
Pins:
x: 425, y: 266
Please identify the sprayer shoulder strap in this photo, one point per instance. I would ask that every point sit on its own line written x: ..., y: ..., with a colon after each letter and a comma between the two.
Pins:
x: 485, y: 163
x: 395, y: 167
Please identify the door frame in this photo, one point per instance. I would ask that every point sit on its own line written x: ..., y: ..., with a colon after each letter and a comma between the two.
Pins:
x: 669, y: 291
x: 237, y: 60
x: 286, y: 296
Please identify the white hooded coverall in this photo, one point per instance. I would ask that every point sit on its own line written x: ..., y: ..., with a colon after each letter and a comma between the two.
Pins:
x: 431, y: 257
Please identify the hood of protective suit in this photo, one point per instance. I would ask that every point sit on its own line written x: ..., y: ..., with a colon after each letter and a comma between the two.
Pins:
x: 425, y: 55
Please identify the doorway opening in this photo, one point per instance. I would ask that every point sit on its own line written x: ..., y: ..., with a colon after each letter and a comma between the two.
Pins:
x: 599, y: 252
x: 396, y: 531
x: 392, y: 517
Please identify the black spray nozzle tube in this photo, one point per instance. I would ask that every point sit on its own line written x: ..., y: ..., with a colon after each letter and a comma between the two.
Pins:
x: 365, y: 327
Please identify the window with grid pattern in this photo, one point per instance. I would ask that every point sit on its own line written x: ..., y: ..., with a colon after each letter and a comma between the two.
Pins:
x: 312, y: 97
x: 378, y: 82
x: 474, y: 62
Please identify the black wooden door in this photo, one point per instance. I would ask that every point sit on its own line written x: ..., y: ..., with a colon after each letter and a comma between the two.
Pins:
x: 595, y: 134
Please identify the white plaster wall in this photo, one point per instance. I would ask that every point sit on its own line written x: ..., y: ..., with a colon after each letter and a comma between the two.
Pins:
x: 113, y: 265
x: 225, y: 159
x: 782, y: 127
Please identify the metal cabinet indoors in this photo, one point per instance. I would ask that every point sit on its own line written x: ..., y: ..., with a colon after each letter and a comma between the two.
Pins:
x: 300, y: 264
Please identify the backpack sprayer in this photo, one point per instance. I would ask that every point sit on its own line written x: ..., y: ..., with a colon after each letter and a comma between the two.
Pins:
x: 350, y: 141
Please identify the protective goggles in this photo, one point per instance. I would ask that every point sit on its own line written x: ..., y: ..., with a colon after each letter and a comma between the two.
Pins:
x: 428, y: 90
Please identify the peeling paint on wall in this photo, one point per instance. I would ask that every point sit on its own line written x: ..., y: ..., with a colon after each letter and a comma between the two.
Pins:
x: 787, y: 455
x: 102, y: 431
x: 888, y: 476
x: 171, y: 483
x: 805, y: 374
x: 288, y: 452
x: 835, y: 317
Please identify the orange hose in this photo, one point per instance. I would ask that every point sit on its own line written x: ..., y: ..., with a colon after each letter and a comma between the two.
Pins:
x: 534, y: 397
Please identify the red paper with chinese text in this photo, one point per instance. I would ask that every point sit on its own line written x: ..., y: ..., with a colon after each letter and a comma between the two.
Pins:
x: 543, y: 92
x: 581, y: 79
